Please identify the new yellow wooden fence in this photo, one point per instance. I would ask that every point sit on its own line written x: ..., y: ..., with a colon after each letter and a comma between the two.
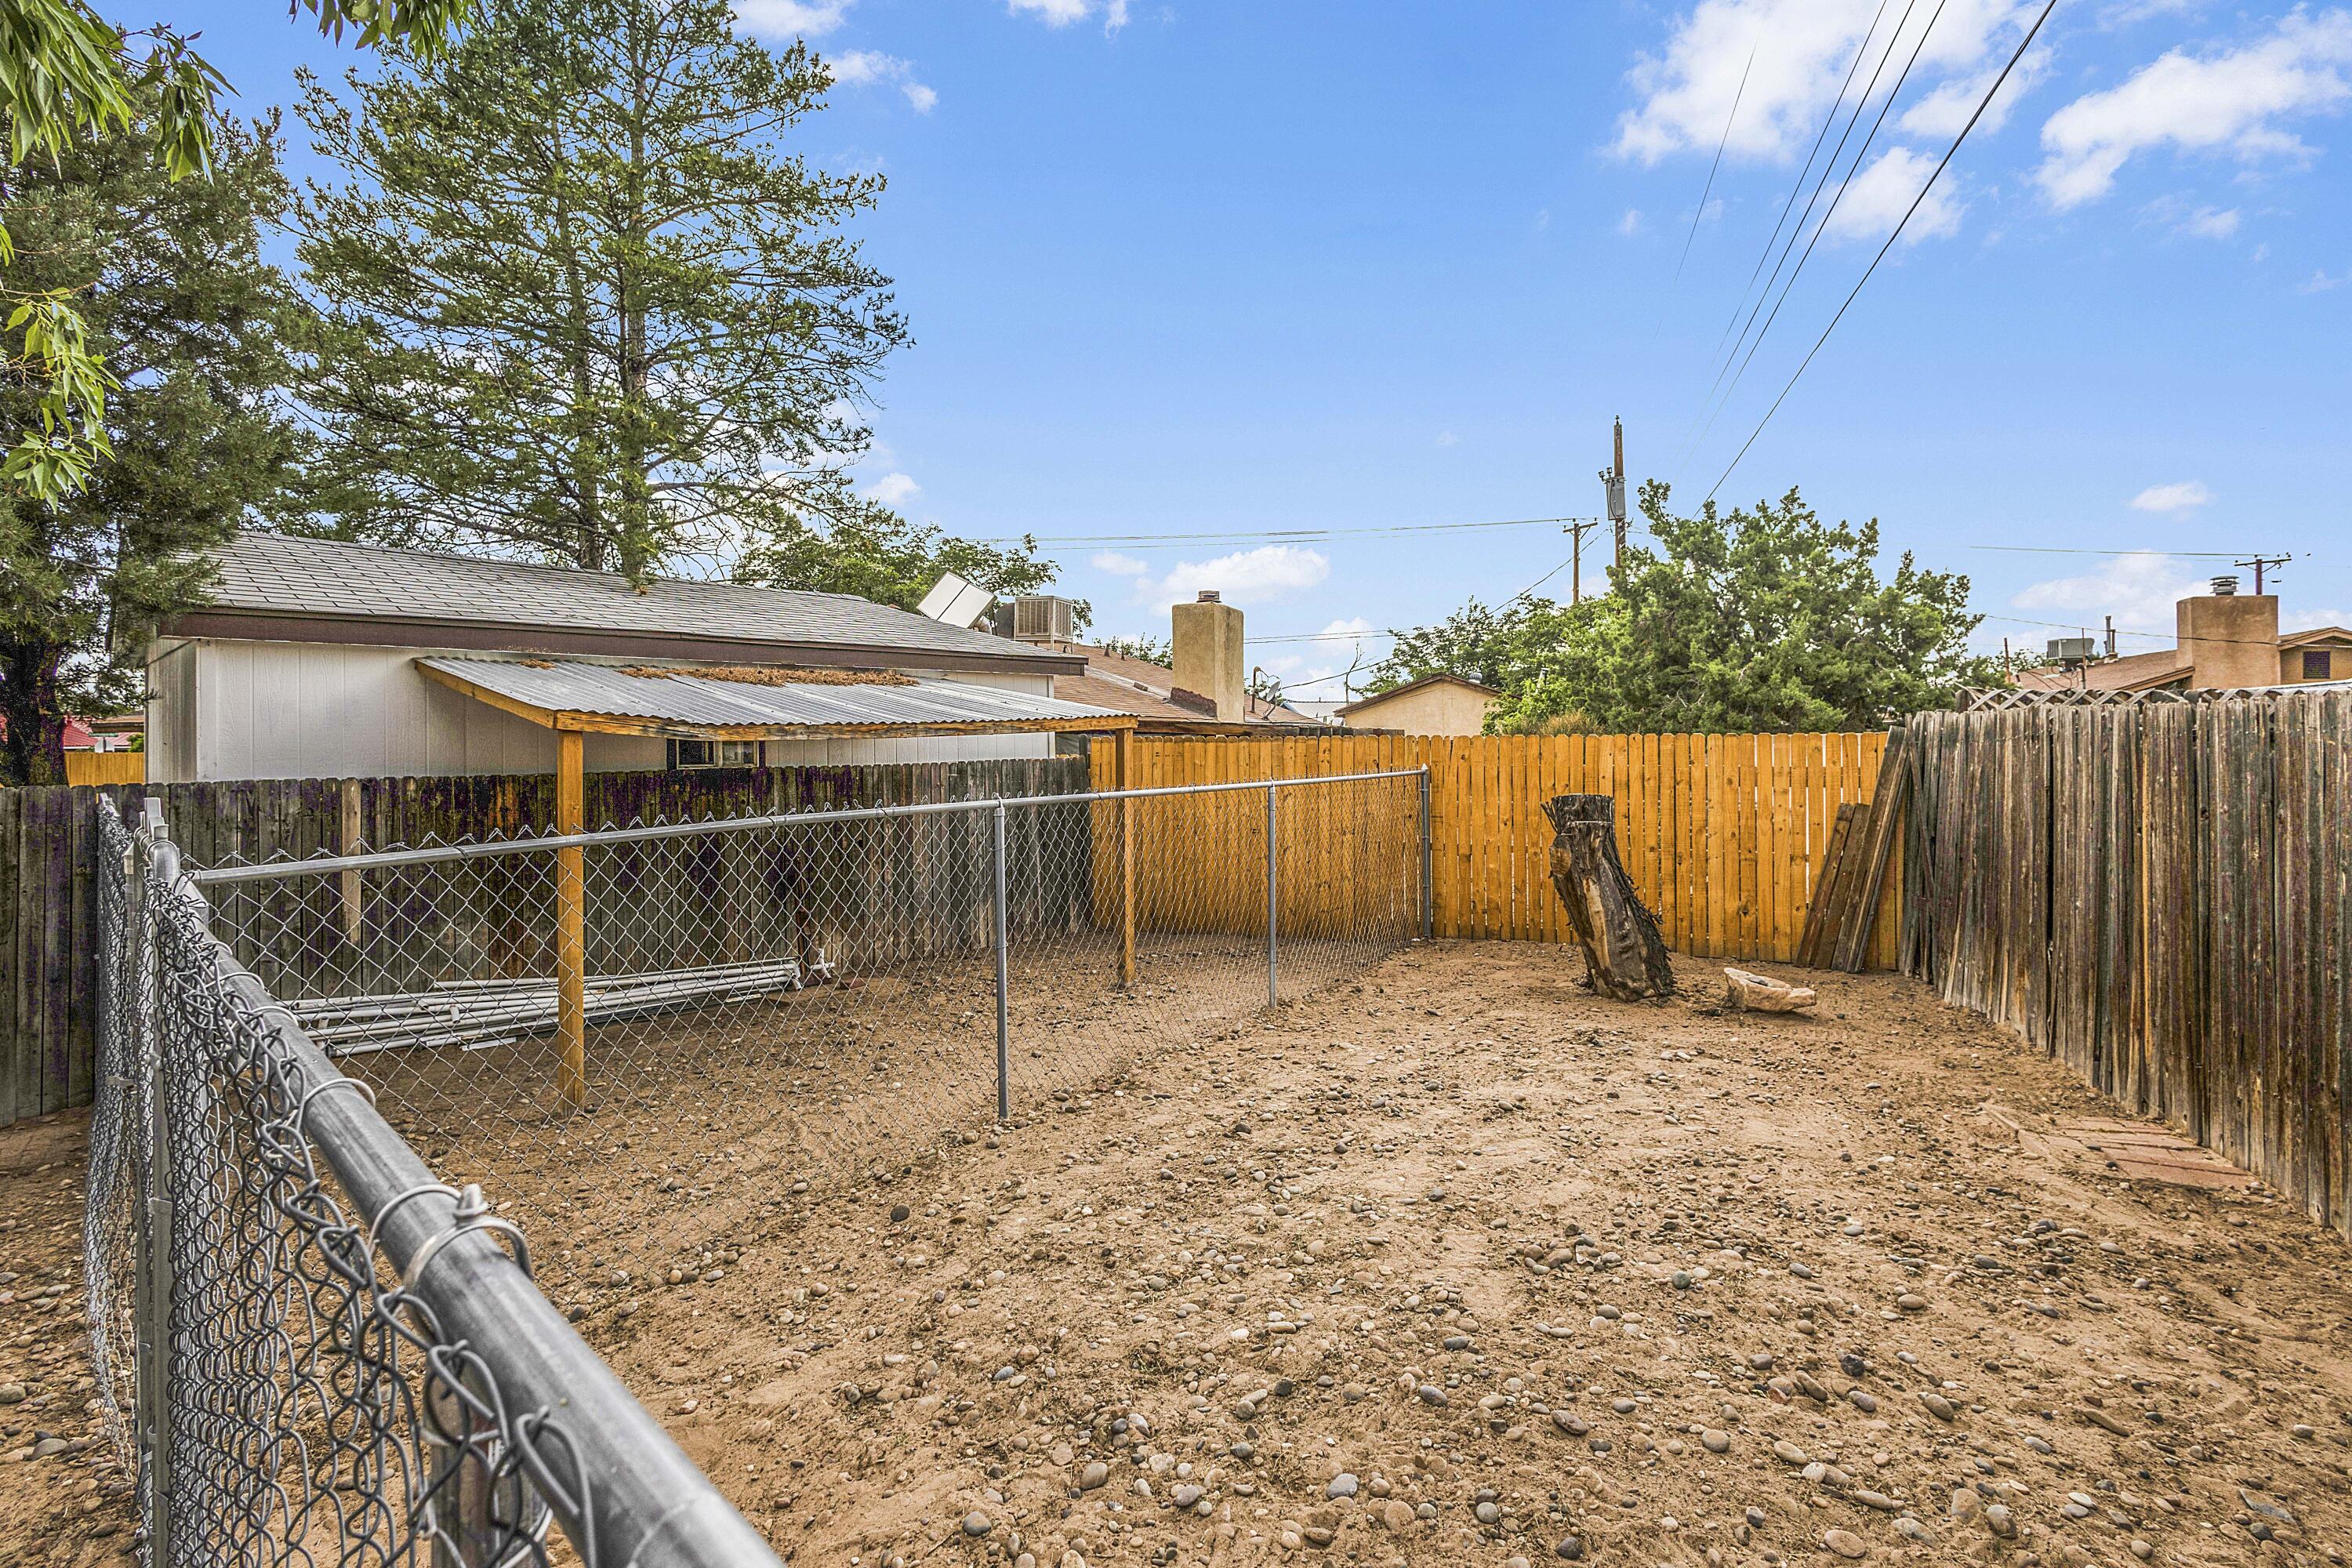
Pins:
x: 106, y: 767
x: 1724, y: 835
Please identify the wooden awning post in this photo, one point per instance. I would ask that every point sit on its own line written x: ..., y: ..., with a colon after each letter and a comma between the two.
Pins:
x: 1122, y: 751
x: 571, y: 927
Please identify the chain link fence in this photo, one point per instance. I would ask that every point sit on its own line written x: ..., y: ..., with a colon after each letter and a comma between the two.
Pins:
x: 311, y: 1348
x: 308, y: 1348
x: 590, y: 1024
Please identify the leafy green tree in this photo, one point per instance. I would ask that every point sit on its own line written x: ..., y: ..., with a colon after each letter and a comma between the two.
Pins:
x: 874, y: 553
x: 580, y: 302
x: 1758, y: 620
x: 1150, y: 650
x: 1475, y: 642
x: 173, y: 289
x: 66, y: 73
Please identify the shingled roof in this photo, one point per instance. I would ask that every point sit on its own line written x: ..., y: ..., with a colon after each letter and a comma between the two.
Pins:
x: 270, y: 581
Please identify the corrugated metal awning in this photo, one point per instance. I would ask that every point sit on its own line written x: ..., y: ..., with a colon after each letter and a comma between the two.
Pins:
x: 580, y: 694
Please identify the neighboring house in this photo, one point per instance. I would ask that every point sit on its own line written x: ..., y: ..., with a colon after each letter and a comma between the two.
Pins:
x: 322, y: 659
x: 1205, y: 692
x: 2224, y: 640
x: 1437, y: 704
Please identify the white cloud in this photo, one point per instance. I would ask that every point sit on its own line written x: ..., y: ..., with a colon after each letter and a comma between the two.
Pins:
x: 2139, y: 591
x: 1257, y: 576
x: 1945, y: 112
x: 2232, y: 102
x: 791, y: 19
x: 1875, y: 200
x: 893, y: 489
x: 2177, y: 497
x: 1800, y: 51
x: 2304, y: 620
x: 2212, y: 223
x: 1115, y: 16
x: 2322, y: 280
x: 1119, y: 565
x: 1631, y: 224
x: 1448, y: 438
x: 866, y: 67
x: 1054, y: 13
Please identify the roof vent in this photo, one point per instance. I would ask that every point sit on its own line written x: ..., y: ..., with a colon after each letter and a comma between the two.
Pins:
x: 2223, y: 587
x: 1212, y: 597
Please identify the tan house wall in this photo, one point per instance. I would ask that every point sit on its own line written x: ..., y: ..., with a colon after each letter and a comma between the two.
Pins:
x: 2229, y: 639
x: 2339, y: 661
x: 1440, y: 708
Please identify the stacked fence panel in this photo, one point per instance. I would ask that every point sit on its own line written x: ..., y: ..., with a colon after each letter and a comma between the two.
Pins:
x: 2156, y: 894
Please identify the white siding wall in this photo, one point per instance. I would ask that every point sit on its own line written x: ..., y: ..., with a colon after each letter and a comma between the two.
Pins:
x: 172, y: 713
x: 271, y: 710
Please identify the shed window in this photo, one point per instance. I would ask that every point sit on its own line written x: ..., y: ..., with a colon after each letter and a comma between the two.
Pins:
x: 714, y: 754
x: 2316, y: 663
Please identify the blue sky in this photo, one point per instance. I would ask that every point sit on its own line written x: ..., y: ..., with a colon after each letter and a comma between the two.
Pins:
x: 1235, y: 268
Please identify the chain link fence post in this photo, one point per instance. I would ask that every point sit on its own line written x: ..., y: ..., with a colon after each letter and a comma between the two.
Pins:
x: 153, y: 1280
x: 1273, y: 963
x: 1428, y: 868
x: 1004, y: 987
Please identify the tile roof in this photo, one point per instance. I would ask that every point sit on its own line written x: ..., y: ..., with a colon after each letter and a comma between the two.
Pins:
x: 681, y: 696
x: 284, y: 574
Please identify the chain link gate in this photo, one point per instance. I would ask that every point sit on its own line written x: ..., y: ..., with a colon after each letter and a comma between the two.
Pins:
x: 308, y: 1348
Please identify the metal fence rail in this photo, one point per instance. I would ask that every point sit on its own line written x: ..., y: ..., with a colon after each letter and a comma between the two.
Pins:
x: 308, y: 1348
x: 581, y: 1019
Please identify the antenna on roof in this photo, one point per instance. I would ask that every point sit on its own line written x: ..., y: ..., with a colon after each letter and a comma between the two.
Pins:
x: 957, y: 603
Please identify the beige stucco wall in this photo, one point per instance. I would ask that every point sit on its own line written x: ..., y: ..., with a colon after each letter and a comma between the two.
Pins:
x: 2230, y: 639
x: 1440, y: 708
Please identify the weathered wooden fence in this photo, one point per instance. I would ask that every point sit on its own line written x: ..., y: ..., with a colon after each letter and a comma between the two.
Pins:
x: 1724, y: 836
x: 2160, y: 895
x: 49, y: 846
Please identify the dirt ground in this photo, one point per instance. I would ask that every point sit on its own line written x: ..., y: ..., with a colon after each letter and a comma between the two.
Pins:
x: 1450, y: 1264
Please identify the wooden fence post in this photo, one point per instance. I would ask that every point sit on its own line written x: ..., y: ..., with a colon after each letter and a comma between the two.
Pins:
x: 571, y: 926
x: 348, y: 813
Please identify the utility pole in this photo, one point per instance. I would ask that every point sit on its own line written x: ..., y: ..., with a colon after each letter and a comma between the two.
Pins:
x: 2259, y: 562
x: 1612, y: 480
x: 1576, y: 532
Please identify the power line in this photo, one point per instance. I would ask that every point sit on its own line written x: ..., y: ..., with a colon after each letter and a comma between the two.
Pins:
x: 1822, y: 228
x: 1278, y: 535
x: 1708, y: 189
x: 2027, y: 43
x: 2063, y: 550
x: 1788, y: 203
x: 1713, y: 412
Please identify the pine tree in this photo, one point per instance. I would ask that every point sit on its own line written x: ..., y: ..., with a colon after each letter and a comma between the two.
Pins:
x: 168, y: 276
x: 581, y: 303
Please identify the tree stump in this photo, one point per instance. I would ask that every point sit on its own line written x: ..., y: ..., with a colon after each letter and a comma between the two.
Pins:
x: 1624, y: 952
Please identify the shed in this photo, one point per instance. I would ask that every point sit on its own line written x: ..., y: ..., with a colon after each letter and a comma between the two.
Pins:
x: 315, y: 658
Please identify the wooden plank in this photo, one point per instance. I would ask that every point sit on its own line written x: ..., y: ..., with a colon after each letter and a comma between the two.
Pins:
x: 1809, y: 939
x: 1886, y: 812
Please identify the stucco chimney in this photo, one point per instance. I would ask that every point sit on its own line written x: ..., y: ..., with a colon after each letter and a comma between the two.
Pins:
x: 2229, y: 639
x: 1207, y: 638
